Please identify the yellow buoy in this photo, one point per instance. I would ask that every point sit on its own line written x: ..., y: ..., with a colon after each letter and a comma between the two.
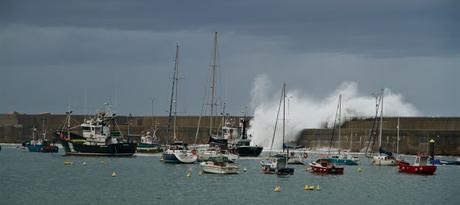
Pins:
x: 189, y: 174
x: 114, y: 174
x: 306, y: 187
x: 359, y: 170
x: 277, y: 188
x: 68, y: 163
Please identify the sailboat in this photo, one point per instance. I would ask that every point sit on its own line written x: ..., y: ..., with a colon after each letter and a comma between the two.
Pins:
x: 277, y: 164
x: 218, y: 143
x: 177, y: 152
x: 383, y: 158
x: 341, y: 158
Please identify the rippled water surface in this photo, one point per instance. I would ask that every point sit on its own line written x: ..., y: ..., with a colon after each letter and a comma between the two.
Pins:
x: 40, y: 178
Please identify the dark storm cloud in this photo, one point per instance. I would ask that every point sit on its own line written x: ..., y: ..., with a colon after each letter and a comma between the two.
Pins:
x: 377, y: 28
x: 122, y: 51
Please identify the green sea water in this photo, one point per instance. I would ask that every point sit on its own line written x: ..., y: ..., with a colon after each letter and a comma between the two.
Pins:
x: 42, y: 178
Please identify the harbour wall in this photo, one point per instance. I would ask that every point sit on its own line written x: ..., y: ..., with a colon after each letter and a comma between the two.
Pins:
x: 415, y: 132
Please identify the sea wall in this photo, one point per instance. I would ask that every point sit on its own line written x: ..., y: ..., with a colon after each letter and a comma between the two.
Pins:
x: 414, y: 131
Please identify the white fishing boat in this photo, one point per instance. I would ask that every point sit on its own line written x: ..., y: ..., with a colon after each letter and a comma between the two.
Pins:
x: 218, y: 165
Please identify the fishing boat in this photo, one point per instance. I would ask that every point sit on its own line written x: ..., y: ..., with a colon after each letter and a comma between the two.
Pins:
x: 277, y: 164
x: 98, y: 139
x: 342, y: 157
x: 34, y: 145
x: 325, y: 166
x: 421, y: 163
x: 40, y: 145
x: 420, y: 166
x: 149, y: 143
x: 242, y: 145
x: 178, y: 151
x: 218, y: 164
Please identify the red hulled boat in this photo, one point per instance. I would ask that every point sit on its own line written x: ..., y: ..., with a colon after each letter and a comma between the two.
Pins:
x: 420, y: 166
x: 325, y: 166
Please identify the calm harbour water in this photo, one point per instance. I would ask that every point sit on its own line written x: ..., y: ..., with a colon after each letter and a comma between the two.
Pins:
x: 41, y: 178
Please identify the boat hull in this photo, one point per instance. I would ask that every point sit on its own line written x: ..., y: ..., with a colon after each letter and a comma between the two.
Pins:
x: 35, y: 148
x: 149, y: 148
x: 343, y: 161
x: 249, y: 151
x: 118, y: 149
x: 383, y: 161
x: 413, y: 169
x: 178, y: 156
x: 215, y: 169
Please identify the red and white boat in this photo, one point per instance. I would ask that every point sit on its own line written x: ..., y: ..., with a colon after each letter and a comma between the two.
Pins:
x: 325, y: 166
x: 420, y: 166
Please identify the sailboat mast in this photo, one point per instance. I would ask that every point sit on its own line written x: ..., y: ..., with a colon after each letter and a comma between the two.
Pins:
x: 284, y: 112
x: 43, y: 129
x: 213, y: 81
x: 381, y: 119
x: 170, y: 118
x: 397, y: 139
x: 176, y: 78
x: 340, y: 115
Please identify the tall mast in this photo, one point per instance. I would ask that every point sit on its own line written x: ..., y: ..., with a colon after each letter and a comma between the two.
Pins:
x: 68, y: 121
x: 381, y: 119
x: 213, y: 81
x: 176, y: 78
x: 340, y: 115
x: 284, y: 112
x: 43, y: 129
x: 397, y: 140
x: 172, y: 96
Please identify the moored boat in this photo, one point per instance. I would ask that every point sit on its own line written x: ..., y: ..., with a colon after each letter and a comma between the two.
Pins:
x: 277, y: 164
x: 98, y: 139
x: 149, y: 143
x: 178, y: 153
x: 420, y: 166
x: 344, y: 159
x: 325, y: 166
x: 218, y: 165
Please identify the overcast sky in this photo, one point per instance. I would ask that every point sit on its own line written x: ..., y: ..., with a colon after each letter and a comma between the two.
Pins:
x: 52, y: 52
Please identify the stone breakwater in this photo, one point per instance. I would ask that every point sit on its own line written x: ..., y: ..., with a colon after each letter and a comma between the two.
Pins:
x: 414, y: 131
